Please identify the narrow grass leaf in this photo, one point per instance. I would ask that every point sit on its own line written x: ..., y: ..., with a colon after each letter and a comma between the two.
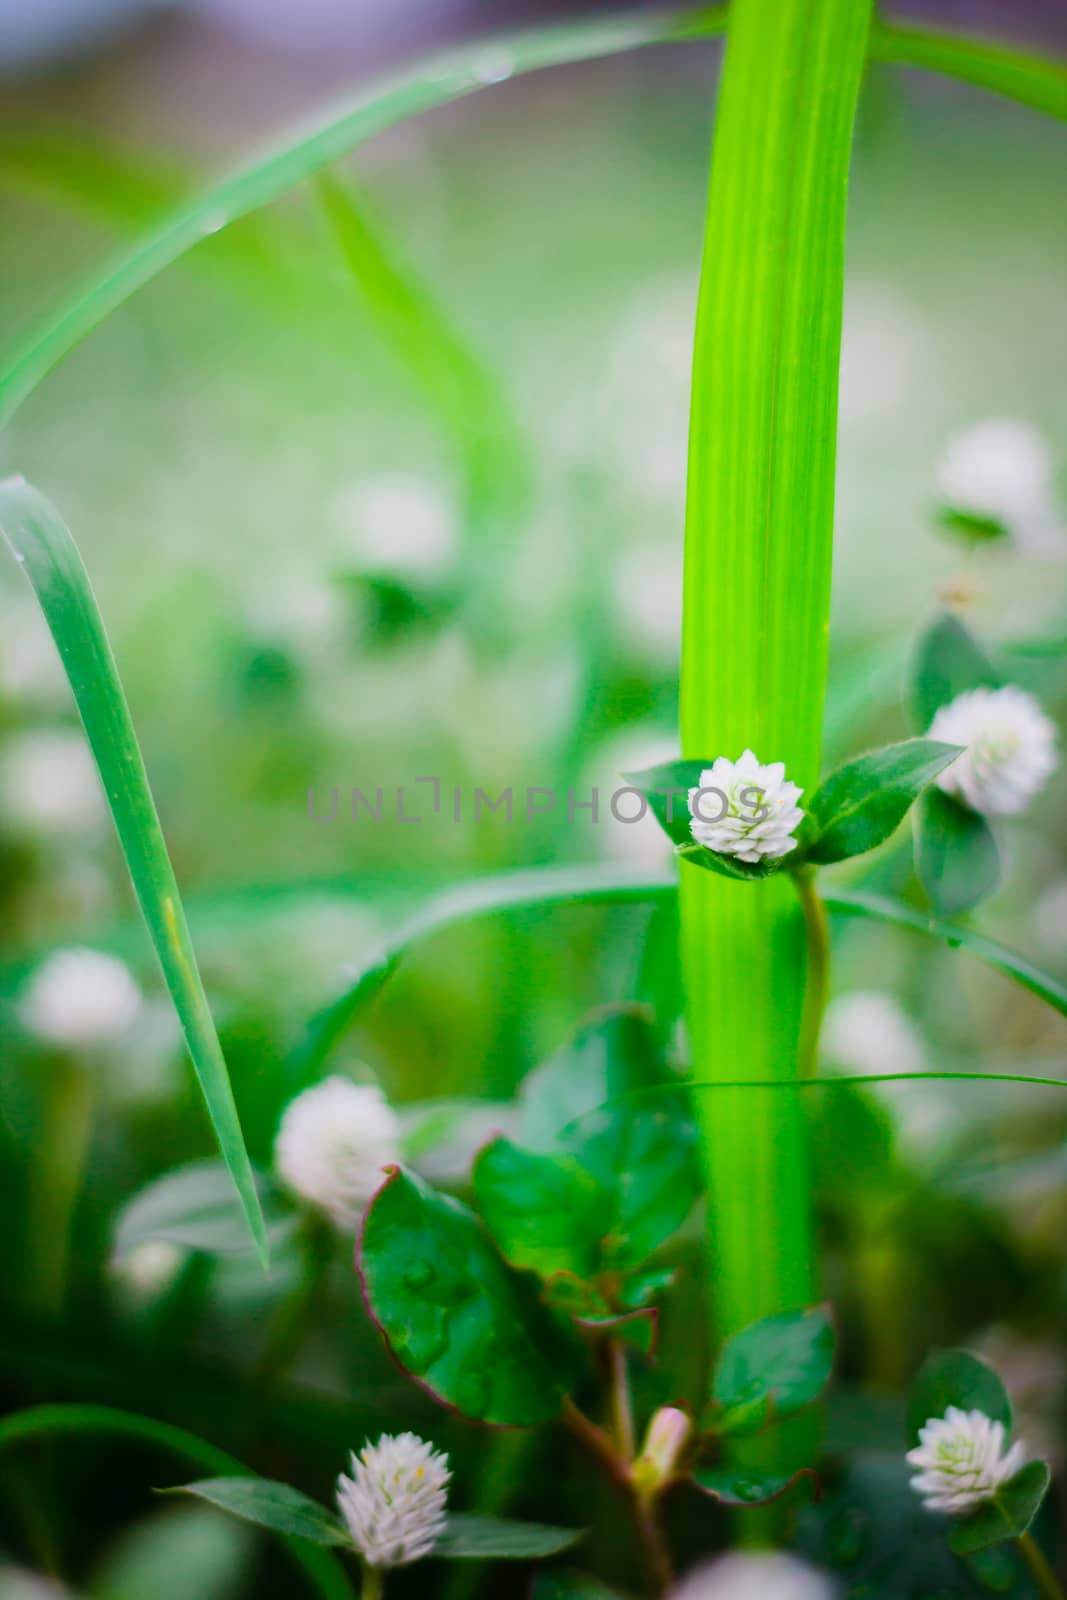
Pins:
x: 42, y: 545
x: 270, y: 1505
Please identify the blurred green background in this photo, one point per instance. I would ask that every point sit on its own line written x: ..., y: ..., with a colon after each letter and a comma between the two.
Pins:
x: 349, y: 533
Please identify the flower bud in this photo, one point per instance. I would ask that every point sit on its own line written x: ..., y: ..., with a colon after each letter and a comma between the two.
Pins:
x: 667, y: 1436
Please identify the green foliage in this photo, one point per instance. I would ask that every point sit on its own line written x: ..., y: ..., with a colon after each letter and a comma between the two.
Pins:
x: 861, y: 804
x: 271, y: 1505
x: 455, y: 1316
x: 473, y: 1538
x: 956, y: 853
x: 955, y: 1378
x: 737, y: 1487
x: 42, y: 545
x: 770, y: 1370
x: 195, y: 1207
x: 948, y: 662
x: 545, y: 1212
x: 1008, y: 1516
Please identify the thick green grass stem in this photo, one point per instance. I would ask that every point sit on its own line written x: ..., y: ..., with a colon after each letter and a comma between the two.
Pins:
x: 759, y: 530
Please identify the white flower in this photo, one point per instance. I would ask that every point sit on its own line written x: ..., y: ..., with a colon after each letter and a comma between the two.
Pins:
x: 761, y: 1575
x: 745, y: 810
x: 962, y: 1461
x: 48, y: 781
x: 79, y: 998
x: 1011, y: 748
x: 394, y: 1502
x: 332, y: 1144
x: 1001, y: 470
x: 868, y: 1031
x: 395, y: 524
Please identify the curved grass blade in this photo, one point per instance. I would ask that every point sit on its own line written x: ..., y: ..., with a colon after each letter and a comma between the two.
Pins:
x: 1027, y: 79
x: 45, y: 1422
x: 42, y: 545
x: 856, y: 903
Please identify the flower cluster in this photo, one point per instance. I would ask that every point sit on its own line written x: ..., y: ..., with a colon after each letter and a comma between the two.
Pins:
x: 743, y: 809
x: 1010, y: 748
x: 962, y: 1461
x: 331, y: 1146
x: 759, y: 1575
x: 394, y: 1501
x: 1000, y: 470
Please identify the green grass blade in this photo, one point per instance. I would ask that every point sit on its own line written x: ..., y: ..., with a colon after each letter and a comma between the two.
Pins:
x: 46, y: 1422
x: 1027, y: 79
x: 856, y: 903
x: 42, y: 545
x: 369, y: 111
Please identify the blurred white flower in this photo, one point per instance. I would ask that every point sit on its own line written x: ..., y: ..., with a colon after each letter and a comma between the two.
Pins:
x: 1000, y: 469
x: 49, y: 782
x: 31, y: 671
x: 1011, y: 748
x: 761, y: 1575
x: 79, y: 998
x: 395, y: 524
x: 884, y: 339
x: 647, y: 583
x: 641, y: 843
x: 962, y: 1461
x: 144, y: 1272
x: 331, y: 1146
x: 17, y: 1584
x: 760, y: 813
x: 868, y: 1031
x: 394, y: 1501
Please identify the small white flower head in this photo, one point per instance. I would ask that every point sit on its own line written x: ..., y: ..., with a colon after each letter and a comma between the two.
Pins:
x: 761, y: 1575
x: 868, y: 1031
x: 396, y: 524
x: 78, y: 999
x: 331, y: 1146
x: 49, y: 783
x: 1000, y: 469
x: 962, y: 1461
x: 1010, y: 748
x: 745, y: 810
x: 394, y: 1501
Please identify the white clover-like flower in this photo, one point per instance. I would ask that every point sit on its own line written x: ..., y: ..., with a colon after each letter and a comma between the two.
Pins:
x: 49, y: 783
x: 962, y: 1461
x: 394, y: 1501
x: 1000, y: 469
x: 759, y: 1575
x: 869, y: 1031
x: 396, y: 524
x: 744, y: 809
x: 79, y: 998
x: 331, y: 1146
x: 1010, y: 748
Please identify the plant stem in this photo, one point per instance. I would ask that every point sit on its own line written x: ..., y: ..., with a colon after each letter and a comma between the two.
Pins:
x: 621, y: 1407
x: 646, y: 1523
x: 55, y: 1178
x: 759, y: 527
x: 817, y: 987
x: 1045, y: 1580
x: 373, y: 1584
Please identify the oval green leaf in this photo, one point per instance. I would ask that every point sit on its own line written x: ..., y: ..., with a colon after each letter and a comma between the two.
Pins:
x: 472, y: 1538
x: 42, y: 545
x: 956, y: 853
x: 1008, y: 1516
x: 771, y: 1369
x: 544, y: 1211
x: 739, y: 1487
x: 948, y: 662
x: 862, y: 803
x: 270, y: 1505
x: 955, y: 1378
x: 459, y: 1320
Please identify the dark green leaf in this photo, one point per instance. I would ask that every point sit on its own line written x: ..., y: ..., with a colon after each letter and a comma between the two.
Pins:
x: 195, y: 1206
x: 498, y: 1539
x: 948, y: 662
x: 42, y: 545
x: 460, y: 1321
x: 611, y: 1057
x: 771, y: 1369
x: 954, y: 1378
x: 737, y: 1486
x: 270, y: 1505
x: 570, y: 1586
x: 1006, y: 1517
x: 645, y: 1162
x: 970, y: 527
x: 956, y: 853
x: 858, y: 806
x: 544, y: 1211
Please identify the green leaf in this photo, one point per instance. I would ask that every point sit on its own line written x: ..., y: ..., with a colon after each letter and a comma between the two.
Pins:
x: 195, y: 1206
x: 956, y: 853
x: 462, y: 1323
x: 43, y: 547
x: 642, y: 1288
x: 948, y: 662
x: 771, y: 1369
x: 861, y: 804
x: 645, y: 1162
x: 1028, y: 79
x: 737, y: 1486
x: 544, y: 1211
x: 471, y: 1538
x: 856, y: 903
x: 955, y: 1378
x: 570, y: 1586
x: 973, y: 529
x: 609, y: 1058
x: 43, y: 1422
x: 270, y: 1505
x: 1008, y: 1516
